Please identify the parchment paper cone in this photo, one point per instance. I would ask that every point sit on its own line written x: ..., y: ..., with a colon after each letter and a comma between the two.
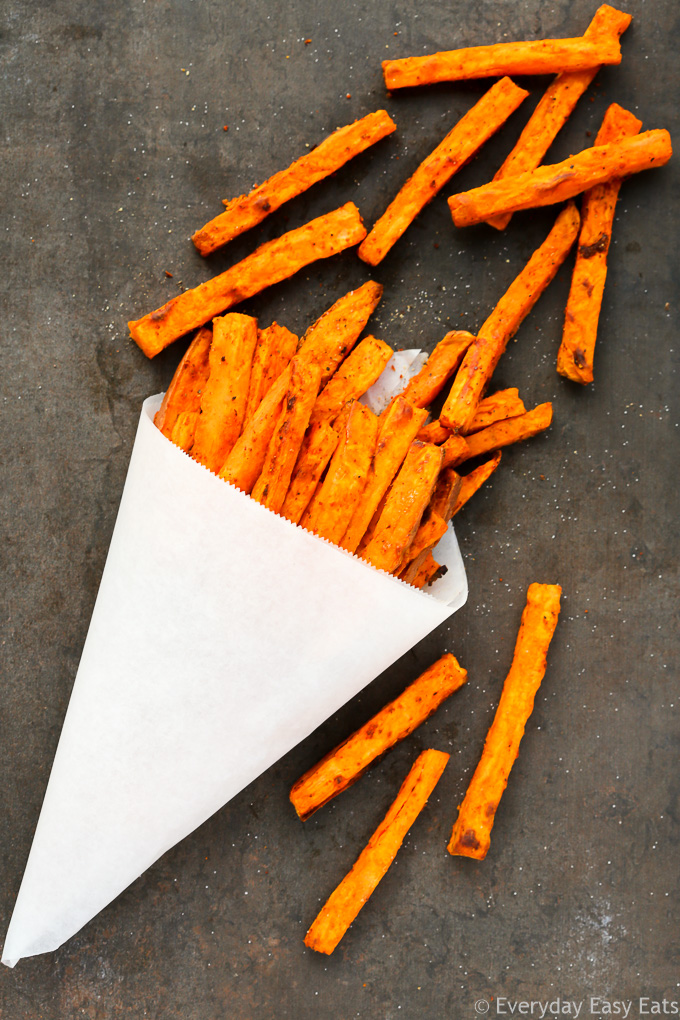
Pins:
x: 222, y: 635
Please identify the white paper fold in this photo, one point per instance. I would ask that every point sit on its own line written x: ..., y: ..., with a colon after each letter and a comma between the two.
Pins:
x: 222, y: 635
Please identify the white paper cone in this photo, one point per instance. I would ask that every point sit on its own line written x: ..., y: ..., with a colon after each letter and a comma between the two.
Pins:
x: 222, y: 635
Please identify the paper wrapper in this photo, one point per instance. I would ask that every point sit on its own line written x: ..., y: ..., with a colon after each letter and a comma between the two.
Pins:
x: 222, y: 635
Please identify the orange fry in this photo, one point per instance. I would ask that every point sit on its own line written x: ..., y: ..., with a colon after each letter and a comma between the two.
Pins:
x: 356, y: 374
x: 471, y: 836
x: 276, y: 345
x: 575, y: 356
x: 508, y: 431
x: 316, y: 451
x: 521, y: 296
x: 184, y: 391
x: 270, y: 263
x: 555, y: 107
x: 223, y: 401
x: 555, y: 183
x: 470, y: 483
x: 247, y: 211
x: 334, y: 502
x: 427, y: 570
x: 446, y: 493
x: 438, y: 369
x: 497, y: 406
x: 432, y: 528
x: 346, y: 901
x: 271, y: 487
x: 455, y: 450
x: 434, y: 432
x: 182, y: 433
x: 342, y: 766
x: 459, y: 146
x: 404, y: 507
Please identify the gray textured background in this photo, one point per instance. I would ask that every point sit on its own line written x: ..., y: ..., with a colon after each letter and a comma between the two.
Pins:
x: 113, y: 152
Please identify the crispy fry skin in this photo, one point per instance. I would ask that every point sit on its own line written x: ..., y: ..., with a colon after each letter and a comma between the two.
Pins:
x: 575, y: 356
x: 410, y: 493
x: 182, y: 433
x: 184, y: 391
x: 496, y: 407
x: 356, y: 374
x: 347, y: 762
x: 556, y: 106
x: 334, y: 502
x: 270, y: 263
x: 455, y: 450
x: 550, y: 184
x: 473, y: 481
x: 434, y: 432
x: 247, y: 211
x: 398, y: 426
x: 316, y: 451
x: 542, y: 56
x: 276, y: 345
x: 471, y: 836
x: 508, y: 431
x: 520, y: 297
x: 438, y: 369
x: 224, y: 397
x: 284, y: 446
x: 457, y: 148
x: 348, y: 898
x: 432, y: 528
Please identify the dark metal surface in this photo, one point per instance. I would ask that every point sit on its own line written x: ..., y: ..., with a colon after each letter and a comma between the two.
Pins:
x: 113, y: 153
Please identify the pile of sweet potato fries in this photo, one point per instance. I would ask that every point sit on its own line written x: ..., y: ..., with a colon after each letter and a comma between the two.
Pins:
x: 281, y: 417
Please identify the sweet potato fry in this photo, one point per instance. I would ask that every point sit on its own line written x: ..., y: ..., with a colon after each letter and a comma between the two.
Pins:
x: 334, y: 502
x: 446, y: 493
x: 471, y: 836
x: 270, y: 263
x: 470, y: 483
x: 356, y: 374
x: 223, y: 401
x: 346, y: 901
x: 482, y: 357
x: 496, y: 407
x: 405, y: 504
x: 182, y: 433
x: 398, y: 426
x: 347, y: 762
x: 243, y: 465
x: 457, y: 148
x: 507, y: 432
x: 184, y: 391
x: 432, y: 527
x: 284, y: 446
x: 555, y: 107
x: 434, y: 432
x: 247, y: 211
x: 540, y: 56
x: 276, y: 345
x: 333, y: 336
x: 455, y: 450
x: 316, y: 451
x: 438, y: 369
x: 575, y: 356
x: 547, y: 185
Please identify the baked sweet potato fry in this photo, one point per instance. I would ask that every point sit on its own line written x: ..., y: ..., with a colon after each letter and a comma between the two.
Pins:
x: 482, y: 357
x: 540, y: 56
x: 457, y: 148
x: 575, y: 356
x: 434, y: 432
x: 276, y: 345
x: 182, y: 433
x: 547, y: 185
x: 438, y: 369
x: 471, y: 836
x: 470, y: 483
x: 333, y: 335
x: 427, y: 570
x: 508, y: 431
x: 271, y: 487
x: 316, y: 451
x: 247, y: 211
x: 243, y: 465
x: 270, y: 263
x: 186, y: 386
x: 223, y: 401
x: 336, y: 498
x: 398, y: 426
x: 349, y: 897
x: 497, y: 406
x: 342, y: 766
x: 404, y: 506
x: 556, y: 106
x: 356, y: 374
x: 446, y: 493
x: 455, y: 450
x: 432, y: 527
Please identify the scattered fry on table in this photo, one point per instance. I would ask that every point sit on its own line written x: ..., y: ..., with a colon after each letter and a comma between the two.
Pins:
x: 247, y: 211
x: 471, y: 836
x: 184, y: 391
x: 438, y: 369
x: 349, y: 897
x: 342, y: 766
x: 508, y: 431
x: 462, y: 142
x: 470, y: 483
x: 482, y: 357
x: 497, y: 406
x: 576, y: 353
x: 270, y: 263
x: 276, y: 345
x: 356, y: 374
x: 315, y: 453
x: 547, y: 185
